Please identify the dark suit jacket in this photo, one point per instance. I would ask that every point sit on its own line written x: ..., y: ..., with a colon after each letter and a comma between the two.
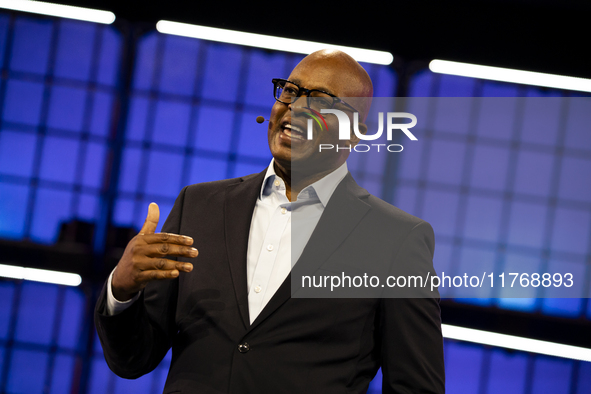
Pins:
x: 295, y: 345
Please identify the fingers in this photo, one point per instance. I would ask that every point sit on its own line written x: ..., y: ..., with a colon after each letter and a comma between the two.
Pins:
x: 158, y: 269
x: 144, y: 258
x: 167, y: 238
x: 162, y: 264
x: 152, y: 219
x: 148, y: 276
x: 165, y: 249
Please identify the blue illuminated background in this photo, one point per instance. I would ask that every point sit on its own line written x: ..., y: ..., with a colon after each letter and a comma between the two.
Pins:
x: 88, y: 134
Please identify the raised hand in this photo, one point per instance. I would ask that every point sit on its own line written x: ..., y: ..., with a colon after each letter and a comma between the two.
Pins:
x: 144, y: 259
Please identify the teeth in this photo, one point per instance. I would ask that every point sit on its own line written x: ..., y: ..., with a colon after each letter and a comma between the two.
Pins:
x: 293, y: 135
x: 295, y: 128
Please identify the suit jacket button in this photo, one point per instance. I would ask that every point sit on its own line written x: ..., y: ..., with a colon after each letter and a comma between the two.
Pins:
x: 243, y: 347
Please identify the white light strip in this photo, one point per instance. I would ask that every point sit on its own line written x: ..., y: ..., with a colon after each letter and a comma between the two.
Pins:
x: 38, y: 275
x: 269, y: 42
x: 509, y: 75
x: 59, y: 10
x: 517, y: 343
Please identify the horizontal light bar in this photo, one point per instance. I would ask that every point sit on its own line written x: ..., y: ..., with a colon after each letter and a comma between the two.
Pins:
x: 268, y: 42
x: 39, y: 275
x: 517, y: 343
x: 510, y: 75
x: 59, y: 10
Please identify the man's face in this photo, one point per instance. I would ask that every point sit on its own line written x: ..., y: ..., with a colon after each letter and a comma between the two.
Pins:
x: 288, y: 123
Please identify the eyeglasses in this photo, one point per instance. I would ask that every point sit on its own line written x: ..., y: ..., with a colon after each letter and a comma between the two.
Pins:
x: 288, y: 92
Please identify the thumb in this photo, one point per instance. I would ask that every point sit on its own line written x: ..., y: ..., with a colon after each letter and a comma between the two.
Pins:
x: 151, y: 222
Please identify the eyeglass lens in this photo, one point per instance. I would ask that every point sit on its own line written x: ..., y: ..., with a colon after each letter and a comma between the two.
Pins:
x: 287, y: 92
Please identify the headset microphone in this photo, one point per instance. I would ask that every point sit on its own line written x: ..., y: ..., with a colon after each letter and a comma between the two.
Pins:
x: 261, y: 119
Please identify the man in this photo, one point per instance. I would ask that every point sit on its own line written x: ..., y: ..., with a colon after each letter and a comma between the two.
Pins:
x: 229, y: 317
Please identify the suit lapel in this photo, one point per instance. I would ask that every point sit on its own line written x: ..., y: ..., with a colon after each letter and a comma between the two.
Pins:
x: 239, y: 205
x: 341, y: 215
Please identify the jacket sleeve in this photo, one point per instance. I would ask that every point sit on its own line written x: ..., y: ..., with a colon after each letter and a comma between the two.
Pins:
x: 411, y: 338
x: 137, y: 339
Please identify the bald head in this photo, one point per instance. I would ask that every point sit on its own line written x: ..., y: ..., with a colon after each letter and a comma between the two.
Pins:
x: 339, y: 74
x: 347, y: 67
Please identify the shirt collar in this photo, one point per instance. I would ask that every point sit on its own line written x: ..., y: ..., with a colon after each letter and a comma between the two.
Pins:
x: 323, y: 188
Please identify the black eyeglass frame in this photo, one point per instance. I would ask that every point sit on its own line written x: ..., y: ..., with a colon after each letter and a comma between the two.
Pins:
x: 335, y: 99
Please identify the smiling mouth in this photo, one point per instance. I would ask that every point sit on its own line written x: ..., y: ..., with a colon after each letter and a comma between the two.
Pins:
x: 294, y: 132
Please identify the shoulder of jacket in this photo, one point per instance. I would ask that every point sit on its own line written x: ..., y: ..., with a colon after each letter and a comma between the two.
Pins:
x: 391, y: 212
x: 381, y: 209
x: 214, y: 187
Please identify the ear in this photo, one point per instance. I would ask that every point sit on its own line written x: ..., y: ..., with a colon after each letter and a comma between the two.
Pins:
x: 354, y: 139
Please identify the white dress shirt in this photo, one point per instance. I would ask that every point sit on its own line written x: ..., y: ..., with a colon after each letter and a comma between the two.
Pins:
x: 279, y: 231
